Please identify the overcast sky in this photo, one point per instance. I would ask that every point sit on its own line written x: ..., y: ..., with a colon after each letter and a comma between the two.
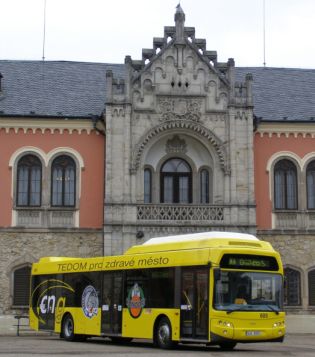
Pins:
x: 108, y: 30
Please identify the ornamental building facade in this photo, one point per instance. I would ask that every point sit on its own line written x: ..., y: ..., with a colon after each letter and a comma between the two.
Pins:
x: 98, y: 157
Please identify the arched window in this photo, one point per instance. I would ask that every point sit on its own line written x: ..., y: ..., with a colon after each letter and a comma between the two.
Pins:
x: 292, y: 287
x: 63, y: 182
x: 147, y: 186
x: 310, y: 184
x: 204, y: 186
x: 311, y: 287
x: 285, y: 185
x: 29, y: 181
x: 21, y: 286
x: 176, y: 182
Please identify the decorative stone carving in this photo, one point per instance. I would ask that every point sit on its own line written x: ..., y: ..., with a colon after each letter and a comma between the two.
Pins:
x: 214, y: 117
x: 118, y: 112
x: 176, y: 145
x: 241, y: 115
x: 29, y: 218
x: 179, y: 108
x: 186, y: 125
x: 45, y: 218
x: 62, y: 219
x: 180, y: 213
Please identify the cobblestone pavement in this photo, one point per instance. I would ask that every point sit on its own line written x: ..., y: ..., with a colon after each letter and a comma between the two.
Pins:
x: 45, y: 345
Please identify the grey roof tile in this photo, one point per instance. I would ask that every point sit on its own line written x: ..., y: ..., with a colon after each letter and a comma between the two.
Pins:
x: 56, y: 88
x: 78, y: 89
x: 282, y: 92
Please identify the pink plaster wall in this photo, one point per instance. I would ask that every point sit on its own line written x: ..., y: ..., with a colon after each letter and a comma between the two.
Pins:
x: 91, y: 148
x: 264, y: 148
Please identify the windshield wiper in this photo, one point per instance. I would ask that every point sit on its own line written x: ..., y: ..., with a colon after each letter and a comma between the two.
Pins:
x: 249, y: 307
x: 276, y: 310
x: 239, y: 308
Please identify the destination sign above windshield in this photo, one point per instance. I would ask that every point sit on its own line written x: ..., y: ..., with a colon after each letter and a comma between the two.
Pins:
x: 252, y: 262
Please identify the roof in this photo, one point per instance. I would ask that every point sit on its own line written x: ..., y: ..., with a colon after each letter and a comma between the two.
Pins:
x: 205, y: 240
x: 198, y: 237
x: 54, y: 88
x: 282, y: 93
x: 78, y: 89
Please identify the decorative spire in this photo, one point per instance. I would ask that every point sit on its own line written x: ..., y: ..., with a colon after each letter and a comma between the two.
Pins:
x: 179, y: 10
x: 180, y: 23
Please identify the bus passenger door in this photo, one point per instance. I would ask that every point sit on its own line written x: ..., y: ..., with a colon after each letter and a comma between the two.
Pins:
x: 194, y: 303
x: 112, y: 303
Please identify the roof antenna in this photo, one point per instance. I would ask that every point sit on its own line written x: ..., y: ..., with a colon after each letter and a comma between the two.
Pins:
x: 44, y: 31
x: 264, y: 31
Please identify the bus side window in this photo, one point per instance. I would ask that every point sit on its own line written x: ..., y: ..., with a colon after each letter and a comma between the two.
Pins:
x: 162, y: 286
x: 139, y: 278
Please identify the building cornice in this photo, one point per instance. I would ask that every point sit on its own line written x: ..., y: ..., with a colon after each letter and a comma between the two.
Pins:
x: 305, y: 129
x: 52, y: 125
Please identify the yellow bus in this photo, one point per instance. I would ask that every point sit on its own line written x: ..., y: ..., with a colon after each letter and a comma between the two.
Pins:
x: 216, y: 288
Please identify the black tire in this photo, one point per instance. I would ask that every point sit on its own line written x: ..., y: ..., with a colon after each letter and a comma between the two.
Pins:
x: 68, y: 328
x: 227, y: 346
x: 163, y: 334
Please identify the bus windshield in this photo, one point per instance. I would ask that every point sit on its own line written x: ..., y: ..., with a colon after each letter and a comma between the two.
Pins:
x: 247, y: 291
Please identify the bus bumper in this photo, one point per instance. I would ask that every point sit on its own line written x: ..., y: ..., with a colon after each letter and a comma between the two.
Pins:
x: 216, y: 339
x: 249, y: 329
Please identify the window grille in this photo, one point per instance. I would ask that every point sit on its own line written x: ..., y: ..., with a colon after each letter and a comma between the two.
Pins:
x: 311, y: 287
x: 21, y: 286
x: 292, y: 287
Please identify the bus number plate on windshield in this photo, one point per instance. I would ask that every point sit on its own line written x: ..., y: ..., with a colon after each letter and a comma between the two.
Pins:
x: 252, y: 333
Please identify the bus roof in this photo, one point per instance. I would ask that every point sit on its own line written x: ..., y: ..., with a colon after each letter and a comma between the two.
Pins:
x: 199, y: 241
x: 199, y: 236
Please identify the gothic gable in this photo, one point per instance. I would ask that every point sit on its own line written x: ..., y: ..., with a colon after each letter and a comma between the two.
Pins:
x: 180, y: 65
x: 178, y: 140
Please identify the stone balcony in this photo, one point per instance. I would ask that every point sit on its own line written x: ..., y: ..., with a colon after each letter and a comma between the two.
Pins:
x: 164, y: 212
x: 300, y: 220
x: 221, y: 216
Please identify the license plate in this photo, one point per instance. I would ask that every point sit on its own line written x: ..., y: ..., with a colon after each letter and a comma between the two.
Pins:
x: 252, y: 333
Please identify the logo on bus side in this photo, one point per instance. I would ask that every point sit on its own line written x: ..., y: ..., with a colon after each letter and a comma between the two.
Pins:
x: 135, y: 301
x: 89, y: 301
x: 45, y: 303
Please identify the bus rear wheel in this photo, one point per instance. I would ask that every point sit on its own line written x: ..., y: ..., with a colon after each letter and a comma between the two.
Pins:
x: 163, y: 334
x: 68, y: 328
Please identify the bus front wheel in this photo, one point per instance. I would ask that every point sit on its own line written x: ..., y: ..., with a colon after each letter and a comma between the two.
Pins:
x: 227, y: 346
x: 68, y: 328
x: 163, y: 334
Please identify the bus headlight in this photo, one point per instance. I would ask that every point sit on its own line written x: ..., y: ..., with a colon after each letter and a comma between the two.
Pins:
x: 278, y: 324
x: 225, y: 323
x: 224, y: 328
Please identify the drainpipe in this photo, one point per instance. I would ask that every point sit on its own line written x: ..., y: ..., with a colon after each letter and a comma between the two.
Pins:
x: 95, y: 120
